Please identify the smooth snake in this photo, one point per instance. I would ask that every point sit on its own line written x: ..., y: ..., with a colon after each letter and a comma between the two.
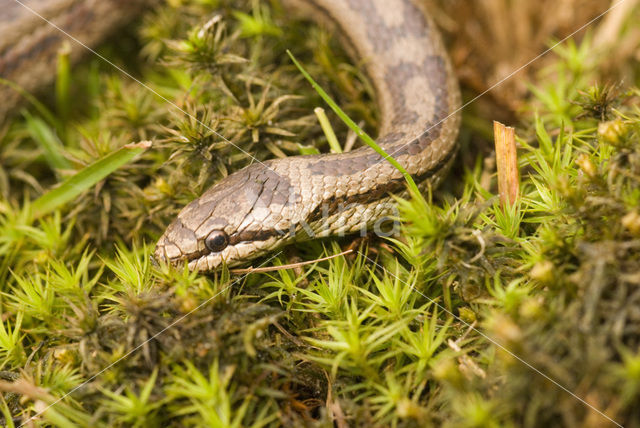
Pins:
x: 273, y: 203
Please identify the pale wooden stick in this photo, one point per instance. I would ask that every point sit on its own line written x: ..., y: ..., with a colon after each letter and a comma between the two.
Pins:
x: 289, y: 266
x: 507, y: 163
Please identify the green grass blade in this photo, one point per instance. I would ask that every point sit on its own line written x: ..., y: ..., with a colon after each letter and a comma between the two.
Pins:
x: 48, y: 141
x: 63, y: 81
x: 354, y: 126
x: 86, y: 178
x: 307, y: 150
x: 328, y: 130
x: 41, y: 108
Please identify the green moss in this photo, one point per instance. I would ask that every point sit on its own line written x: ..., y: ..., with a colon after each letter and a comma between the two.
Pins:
x: 408, y: 331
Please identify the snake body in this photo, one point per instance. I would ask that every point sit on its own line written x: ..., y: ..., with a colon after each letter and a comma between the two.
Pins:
x: 270, y: 204
x: 30, y: 41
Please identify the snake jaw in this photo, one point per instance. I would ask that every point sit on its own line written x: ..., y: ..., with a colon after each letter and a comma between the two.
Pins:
x: 180, y: 245
x: 169, y: 253
x: 232, y: 206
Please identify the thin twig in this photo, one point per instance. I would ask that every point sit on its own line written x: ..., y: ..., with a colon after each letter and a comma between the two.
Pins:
x: 352, y: 137
x: 289, y: 266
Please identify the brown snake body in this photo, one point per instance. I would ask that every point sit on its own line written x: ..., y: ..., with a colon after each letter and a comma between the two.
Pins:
x: 29, y: 44
x: 273, y: 203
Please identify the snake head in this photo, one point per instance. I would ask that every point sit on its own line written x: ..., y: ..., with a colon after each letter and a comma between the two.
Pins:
x: 236, y: 220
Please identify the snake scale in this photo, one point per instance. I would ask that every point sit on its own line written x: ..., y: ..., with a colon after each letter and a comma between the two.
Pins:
x: 270, y: 204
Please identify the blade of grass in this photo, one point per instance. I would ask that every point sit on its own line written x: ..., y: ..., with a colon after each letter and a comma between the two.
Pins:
x: 63, y: 81
x: 48, y: 141
x: 44, y: 111
x: 354, y: 126
x: 328, y: 130
x: 86, y: 178
x: 307, y: 150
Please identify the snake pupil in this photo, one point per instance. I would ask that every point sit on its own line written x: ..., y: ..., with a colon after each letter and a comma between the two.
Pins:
x: 216, y: 241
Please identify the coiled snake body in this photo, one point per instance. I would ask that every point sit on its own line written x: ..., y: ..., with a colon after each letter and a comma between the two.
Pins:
x: 270, y: 204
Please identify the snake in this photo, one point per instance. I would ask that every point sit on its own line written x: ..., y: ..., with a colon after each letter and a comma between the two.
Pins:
x: 33, y: 32
x: 270, y: 204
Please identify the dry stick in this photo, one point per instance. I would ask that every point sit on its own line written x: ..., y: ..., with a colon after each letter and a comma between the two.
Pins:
x: 352, y: 137
x: 507, y: 163
x: 289, y: 266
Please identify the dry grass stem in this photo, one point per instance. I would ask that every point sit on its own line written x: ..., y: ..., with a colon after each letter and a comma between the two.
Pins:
x: 608, y: 32
x: 288, y: 266
x: 507, y: 163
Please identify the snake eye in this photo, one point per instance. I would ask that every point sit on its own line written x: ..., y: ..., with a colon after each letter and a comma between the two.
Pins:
x: 216, y: 241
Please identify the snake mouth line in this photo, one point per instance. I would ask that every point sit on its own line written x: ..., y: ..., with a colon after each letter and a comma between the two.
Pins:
x: 235, y: 239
